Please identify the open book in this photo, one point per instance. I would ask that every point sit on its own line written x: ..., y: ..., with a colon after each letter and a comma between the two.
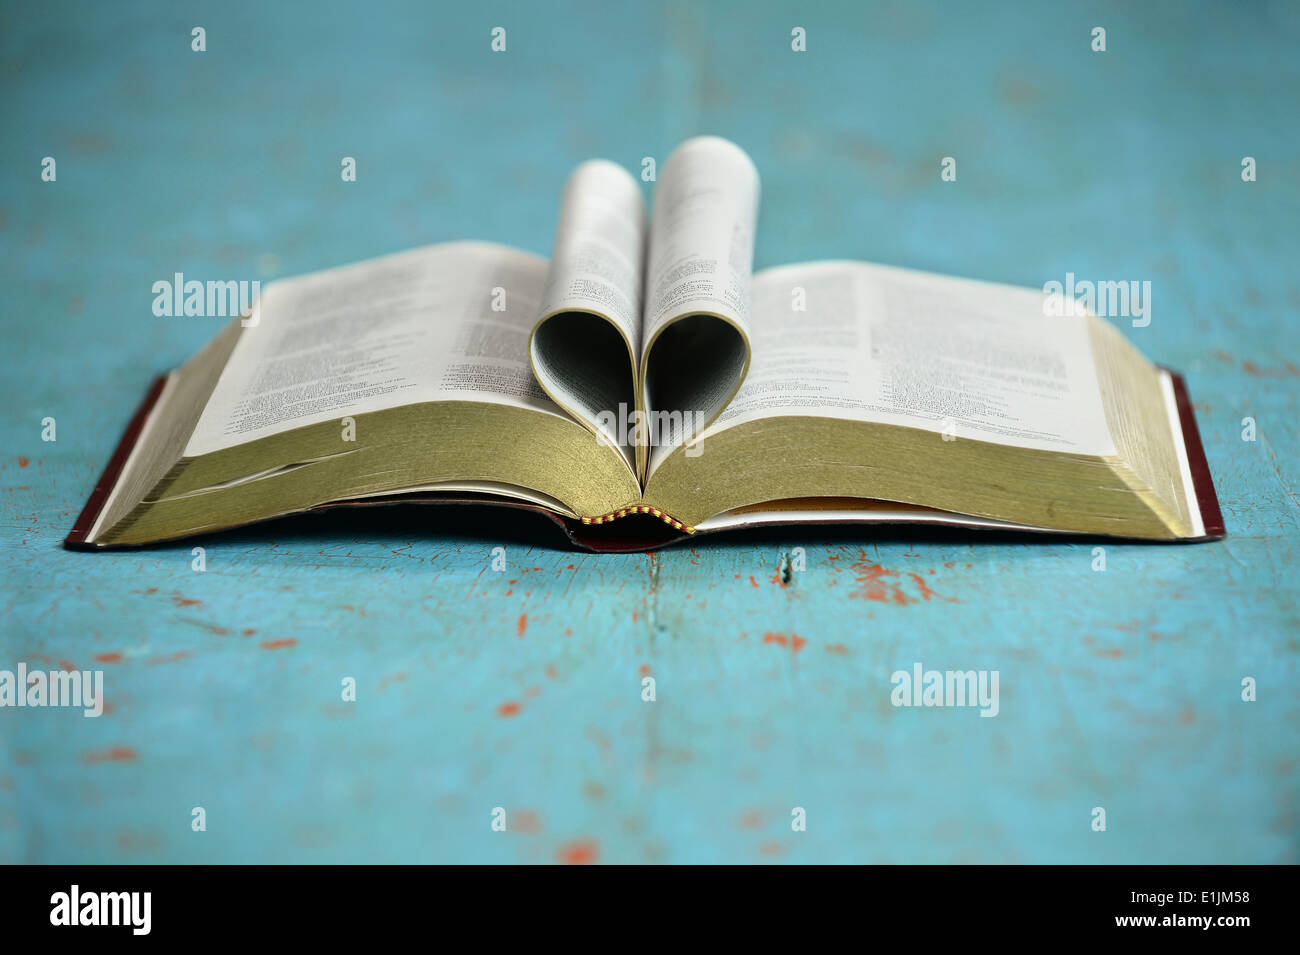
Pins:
x: 646, y: 370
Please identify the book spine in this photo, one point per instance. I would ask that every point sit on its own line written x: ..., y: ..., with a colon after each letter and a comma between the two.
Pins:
x: 77, y: 537
x: 640, y: 509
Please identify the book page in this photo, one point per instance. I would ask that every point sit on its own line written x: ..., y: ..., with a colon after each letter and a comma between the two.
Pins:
x: 696, y: 322
x: 585, y: 347
x: 970, y: 359
x: 599, y: 246
x: 438, y: 323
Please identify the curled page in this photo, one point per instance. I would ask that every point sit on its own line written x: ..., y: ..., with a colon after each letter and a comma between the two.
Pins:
x: 585, y: 344
x: 696, y: 322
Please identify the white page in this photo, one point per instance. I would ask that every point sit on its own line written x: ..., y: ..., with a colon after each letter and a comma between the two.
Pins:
x: 599, y: 247
x: 702, y: 240
x: 406, y: 328
x: 595, y: 277
x: 867, y: 514
x: 696, y: 324
x: 923, y: 351
x: 1180, y: 449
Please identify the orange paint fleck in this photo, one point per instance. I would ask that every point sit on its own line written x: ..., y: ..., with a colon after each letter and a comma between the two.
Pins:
x: 116, y: 754
x: 170, y: 657
x: 509, y: 709
x: 278, y: 644
x: 581, y: 852
x: 1250, y: 368
x: 593, y: 790
x: 23, y: 462
x: 67, y: 666
x: 794, y: 641
x: 551, y: 671
x: 771, y: 849
x: 521, y: 625
x: 525, y: 821
x: 750, y: 819
x: 926, y: 592
x: 108, y: 657
x: 185, y: 602
x: 136, y: 842
x: 882, y: 585
x: 752, y: 581
x: 837, y: 648
x: 644, y: 669
x: 248, y: 631
x: 873, y: 584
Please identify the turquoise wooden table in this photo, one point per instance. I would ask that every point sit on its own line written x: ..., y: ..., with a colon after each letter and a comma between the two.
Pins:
x: 521, y: 690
